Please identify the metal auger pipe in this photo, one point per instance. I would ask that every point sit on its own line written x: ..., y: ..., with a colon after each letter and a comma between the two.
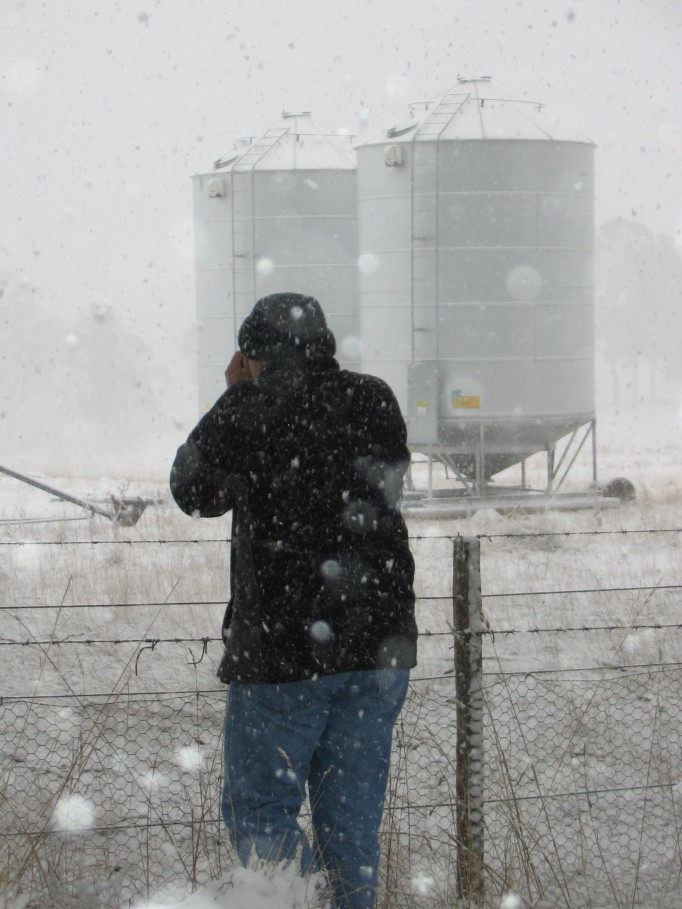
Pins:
x: 126, y: 512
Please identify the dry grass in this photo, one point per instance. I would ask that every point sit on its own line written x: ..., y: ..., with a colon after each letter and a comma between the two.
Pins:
x: 133, y: 711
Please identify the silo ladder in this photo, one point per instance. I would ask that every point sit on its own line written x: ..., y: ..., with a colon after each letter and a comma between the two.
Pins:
x: 425, y: 241
x: 243, y: 217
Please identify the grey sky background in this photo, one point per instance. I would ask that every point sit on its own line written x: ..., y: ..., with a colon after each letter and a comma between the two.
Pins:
x: 107, y: 109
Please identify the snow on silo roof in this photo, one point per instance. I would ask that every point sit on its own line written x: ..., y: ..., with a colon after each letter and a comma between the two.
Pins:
x: 473, y: 110
x: 298, y: 143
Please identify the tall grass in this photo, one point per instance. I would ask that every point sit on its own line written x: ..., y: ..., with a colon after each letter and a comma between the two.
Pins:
x: 134, y: 728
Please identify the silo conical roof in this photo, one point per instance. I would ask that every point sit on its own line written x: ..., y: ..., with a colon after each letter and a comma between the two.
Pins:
x: 473, y: 109
x: 296, y: 143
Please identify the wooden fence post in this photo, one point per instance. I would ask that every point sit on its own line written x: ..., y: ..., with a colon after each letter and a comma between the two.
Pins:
x: 468, y: 629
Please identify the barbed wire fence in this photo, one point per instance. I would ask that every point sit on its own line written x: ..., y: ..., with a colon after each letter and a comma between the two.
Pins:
x: 554, y: 769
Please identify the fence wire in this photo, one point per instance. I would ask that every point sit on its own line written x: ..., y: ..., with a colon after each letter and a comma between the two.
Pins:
x: 117, y: 790
x: 583, y: 785
x: 115, y: 796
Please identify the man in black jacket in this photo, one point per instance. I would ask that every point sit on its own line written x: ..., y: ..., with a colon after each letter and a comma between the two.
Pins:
x: 319, y: 632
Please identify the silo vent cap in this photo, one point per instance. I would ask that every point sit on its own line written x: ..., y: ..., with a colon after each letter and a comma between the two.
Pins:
x: 466, y: 79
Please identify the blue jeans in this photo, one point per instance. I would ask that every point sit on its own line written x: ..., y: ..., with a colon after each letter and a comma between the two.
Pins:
x: 333, y: 733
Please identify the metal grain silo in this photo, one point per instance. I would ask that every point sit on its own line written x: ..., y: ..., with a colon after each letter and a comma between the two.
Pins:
x: 278, y: 214
x: 475, y: 235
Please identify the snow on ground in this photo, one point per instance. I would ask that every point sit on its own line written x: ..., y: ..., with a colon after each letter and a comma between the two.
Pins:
x: 250, y: 888
x: 93, y: 582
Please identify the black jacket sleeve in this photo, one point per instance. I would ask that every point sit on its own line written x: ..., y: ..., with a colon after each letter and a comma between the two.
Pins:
x: 201, y: 479
x: 382, y: 429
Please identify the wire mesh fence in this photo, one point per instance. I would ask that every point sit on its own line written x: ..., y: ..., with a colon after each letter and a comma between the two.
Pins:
x: 110, y: 731
x: 581, y: 773
x: 120, y: 792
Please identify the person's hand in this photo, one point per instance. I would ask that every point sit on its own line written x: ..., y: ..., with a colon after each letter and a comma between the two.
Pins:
x: 237, y: 370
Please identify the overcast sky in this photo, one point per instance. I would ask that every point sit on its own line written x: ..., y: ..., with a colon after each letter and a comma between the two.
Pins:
x: 107, y: 109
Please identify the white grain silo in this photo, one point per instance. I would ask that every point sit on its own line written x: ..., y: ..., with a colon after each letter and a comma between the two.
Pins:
x: 279, y: 214
x: 475, y: 227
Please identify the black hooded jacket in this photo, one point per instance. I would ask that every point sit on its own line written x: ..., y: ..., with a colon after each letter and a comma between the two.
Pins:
x: 311, y: 459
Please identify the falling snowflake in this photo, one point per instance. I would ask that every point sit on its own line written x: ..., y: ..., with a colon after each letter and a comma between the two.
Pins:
x: 73, y: 814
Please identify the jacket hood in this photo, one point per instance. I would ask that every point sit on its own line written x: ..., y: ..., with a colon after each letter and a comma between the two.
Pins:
x: 284, y: 326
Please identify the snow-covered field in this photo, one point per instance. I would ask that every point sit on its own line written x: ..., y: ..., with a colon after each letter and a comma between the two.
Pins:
x: 112, y: 713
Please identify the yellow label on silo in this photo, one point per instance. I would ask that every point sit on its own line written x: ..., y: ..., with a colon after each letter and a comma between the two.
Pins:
x: 458, y: 401
x: 421, y: 408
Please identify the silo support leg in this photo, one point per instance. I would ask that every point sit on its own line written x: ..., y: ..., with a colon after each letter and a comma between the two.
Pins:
x: 480, y: 462
x: 589, y: 431
x: 593, y: 424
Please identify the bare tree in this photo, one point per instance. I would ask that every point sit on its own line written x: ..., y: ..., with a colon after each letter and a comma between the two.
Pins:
x: 639, y: 308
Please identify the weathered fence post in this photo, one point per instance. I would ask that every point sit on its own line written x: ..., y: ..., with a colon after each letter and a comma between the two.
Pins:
x: 468, y: 629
